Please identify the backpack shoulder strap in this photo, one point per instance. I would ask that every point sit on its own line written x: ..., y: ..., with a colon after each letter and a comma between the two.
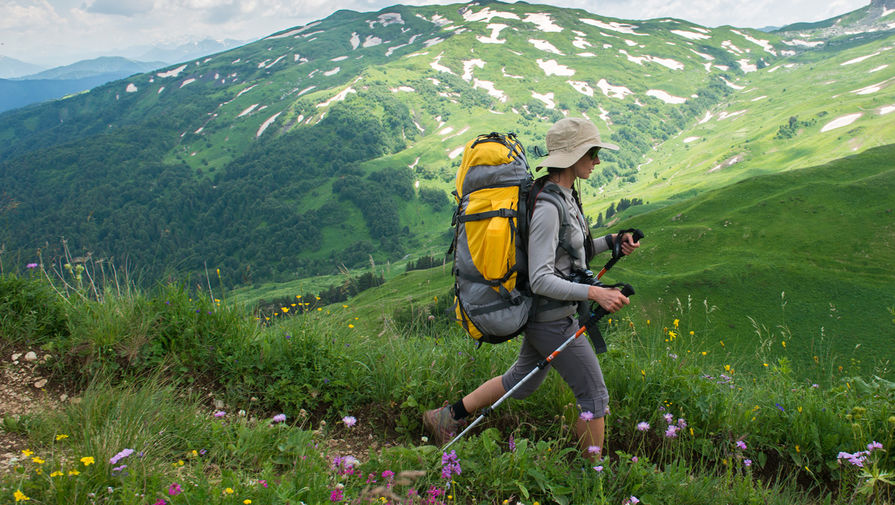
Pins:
x: 548, y: 192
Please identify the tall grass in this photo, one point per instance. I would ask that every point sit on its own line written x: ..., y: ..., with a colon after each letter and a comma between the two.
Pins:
x: 732, y: 434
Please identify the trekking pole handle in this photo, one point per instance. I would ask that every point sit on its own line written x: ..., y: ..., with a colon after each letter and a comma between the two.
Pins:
x: 599, y: 312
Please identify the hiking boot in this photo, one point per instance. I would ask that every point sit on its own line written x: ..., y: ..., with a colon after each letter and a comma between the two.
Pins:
x: 442, y: 425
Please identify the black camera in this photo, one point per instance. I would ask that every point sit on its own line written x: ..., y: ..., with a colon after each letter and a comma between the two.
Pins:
x: 580, y: 276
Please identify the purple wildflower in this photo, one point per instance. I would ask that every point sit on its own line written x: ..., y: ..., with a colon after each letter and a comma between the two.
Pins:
x: 118, y: 468
x: 593, y: 449
x: 279, y: 418
x: 220, y: 413
x: 31, y: 265
x: 643, y: 426
x: 512, y: 443
x: 668, y: 418
x: 671, y: 432
x: 874, y: 445
x: 598, y: 468
x: 388, y: 474
x: 633, y: 459
x: 681, y: 423
x: 349, y: 421
x: 741, y: 445
x: 160, y: 502
x: 747, y: 462
x: 336, y: 495
x: 586, y: 416
x: 121, y: 455
x: 780, y: 407
x: 174, y: 489
x: 450, y: 465
x: 633, y: 500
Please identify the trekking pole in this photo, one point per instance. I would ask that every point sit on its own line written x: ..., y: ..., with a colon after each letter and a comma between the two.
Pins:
x: 617, y: 253
x: 627, y: 290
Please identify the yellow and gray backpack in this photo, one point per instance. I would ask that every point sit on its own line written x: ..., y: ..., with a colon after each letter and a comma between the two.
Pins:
x: 492, y: 297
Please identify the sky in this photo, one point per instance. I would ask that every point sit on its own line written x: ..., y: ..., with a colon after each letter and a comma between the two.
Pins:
x: 59, y: 32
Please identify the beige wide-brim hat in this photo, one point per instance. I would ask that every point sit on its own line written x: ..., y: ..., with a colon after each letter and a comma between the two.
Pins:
x: 569, y: 139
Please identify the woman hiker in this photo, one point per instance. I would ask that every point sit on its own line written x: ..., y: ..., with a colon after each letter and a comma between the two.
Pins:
x: 573, y: 146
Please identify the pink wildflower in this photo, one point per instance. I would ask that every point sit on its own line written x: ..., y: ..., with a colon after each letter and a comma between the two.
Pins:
x: 741, y: 445
x: 586, y: 416
x: 349, y: 421
x: 671, y: 432
x: 220, y: 413
x: 642, y: 426
x: 174, y: 489
x: 279, y: 418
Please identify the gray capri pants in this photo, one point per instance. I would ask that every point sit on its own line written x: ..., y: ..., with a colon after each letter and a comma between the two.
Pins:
x: 577, y: 364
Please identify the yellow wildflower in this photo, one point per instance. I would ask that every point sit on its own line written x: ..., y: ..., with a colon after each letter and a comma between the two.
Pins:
x: 692, y: 333
x: 74, y: 472
x: 784, y: 343
x: 351, y: 326
x: 797, y: 448
x: 57, y: 473
x: 344, y: 306
x: 88, y: 460
x: 27, y: 453
x: 676, y: 321
x: 61, y: 436
x: 20, y: 496
x: 37, y: 460
x: 247, y: 501
x: 229, y: 490
x: 703, y: 353
x: 285, y: 309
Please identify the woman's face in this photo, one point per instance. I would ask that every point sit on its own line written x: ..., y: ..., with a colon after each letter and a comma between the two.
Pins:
x: 584, y: 166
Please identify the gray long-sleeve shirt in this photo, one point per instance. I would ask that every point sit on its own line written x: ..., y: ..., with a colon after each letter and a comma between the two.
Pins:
x: 549, y: 265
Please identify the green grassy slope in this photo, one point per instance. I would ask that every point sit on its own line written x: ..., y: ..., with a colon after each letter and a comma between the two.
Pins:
x: 809, y: 249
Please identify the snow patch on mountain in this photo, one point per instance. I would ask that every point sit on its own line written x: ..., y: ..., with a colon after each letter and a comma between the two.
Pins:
x: 762, y: 97
x: 841, y: 121
x: 747, y: 66
x: 581, y: 43
x: 725, y: 115
x: 431, y: 42
x: 613, y: 91
x: 706, y: 118
x: 582, y: 87
x: 690, y: 35
x: 764, y: 44
x: 371, y: 41
x: 389, y: 18
x: 436, y: 65
x: 392, y: 49
x: 173, y: 72
x: 407, y: 89
x: 732, y: 85
x: 613, y: 26
x: 188, y: 81
x: 295, y: 31
x: 543, y: 45
x: 248, y: 110
x: 543, y: 22
x: 665, y: 62
x: 708, y: 57
x: 456, y: 152
x: 488, y: 86
x: 302, y: 92
x: 803, y: 43
x: 731, y: 48
x: 665, y: 96
x: 547, y: 98
x: 131, y: 88
x: 160, y: 90
x: 267, y: 123
x: 503, y: 70
x: 886, y: 109
x: 690, y: 139
x: 859, y: 59
x: 468, y: 65
x: 487, y: 14
x: 877, y: 69
x: 604, y: 115
x: 338, y: 98
x: 495, y: 33
x: 332, y: 72
x: 551, y: 67
x: 873, y: 88
x: 586, y: 55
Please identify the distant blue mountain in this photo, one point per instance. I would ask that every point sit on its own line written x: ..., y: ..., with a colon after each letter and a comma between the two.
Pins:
x: 60, y: 81
x: 11, y: 67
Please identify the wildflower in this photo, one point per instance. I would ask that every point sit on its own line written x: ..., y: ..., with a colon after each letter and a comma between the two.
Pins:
x: 73, y: 472
x: 783, y: 342
x: 228, y: 490
x: 874, y: 445
x: 675, y: 323
x: 349, y: 421
x: 247, y: 501
x: 633, y: 459
x: 388, y: 474
x: 593, y: 449
x: 631, y: 501
x: 780, y: 407
x: 263, y: 482
x: 61, y: 437
x: 668, y: 418
x: 681, y: 423
x: 350, y: 325
x: 336, y: 495
x: 37, y: 460
x: 586, y: 416
x: 220, y: 413
x: 20, y: 496
x: 118, y: 468
x: 174, y: 489
x: 160, y: 502
x: 672, y: 334
x: 747, y: 462
x: 642, y: 426
x: 671, y: 432
x: 279, y: 418
x: 88, y: 460
x: 450, y: 465
x: 31, y: 266
x: 27, y: 453
x: 57, y: 473
x: 741, y: 445
x: 121, y: 455
x: 512, y: 443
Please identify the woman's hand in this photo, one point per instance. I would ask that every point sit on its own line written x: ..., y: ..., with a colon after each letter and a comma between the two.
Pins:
x: 610, y: 299
x: 628, y: 244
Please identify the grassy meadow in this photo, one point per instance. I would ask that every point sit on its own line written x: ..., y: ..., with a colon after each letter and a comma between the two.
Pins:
x: 186, y: 398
